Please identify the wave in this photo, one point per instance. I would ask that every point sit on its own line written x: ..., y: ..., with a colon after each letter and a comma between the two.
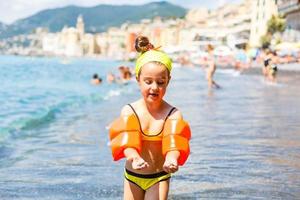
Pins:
x: 46, y: 115
x: 112, y: 93
x: 36, y: 120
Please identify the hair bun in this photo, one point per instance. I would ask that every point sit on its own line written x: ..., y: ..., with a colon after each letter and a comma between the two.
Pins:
x: 142, y: 44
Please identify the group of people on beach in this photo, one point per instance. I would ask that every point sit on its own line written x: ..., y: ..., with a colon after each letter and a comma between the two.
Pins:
x: 266, y: 58
x: 269, y: 66
x: 125, y: 75
x: 241, y: 60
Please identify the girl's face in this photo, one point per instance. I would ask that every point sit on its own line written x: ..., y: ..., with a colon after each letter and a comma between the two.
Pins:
x: 153, y: 81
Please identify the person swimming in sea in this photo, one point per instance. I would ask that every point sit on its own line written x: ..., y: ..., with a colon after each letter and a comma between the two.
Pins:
x: 96, y: 80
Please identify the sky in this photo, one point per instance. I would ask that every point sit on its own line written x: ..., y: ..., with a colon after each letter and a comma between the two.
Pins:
x: 11, y: 10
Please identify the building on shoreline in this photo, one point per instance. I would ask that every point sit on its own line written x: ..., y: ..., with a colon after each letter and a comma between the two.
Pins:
x: 262, y: 11
x: 71, y: 41
x: 290, y: 9
x: 233, y: 25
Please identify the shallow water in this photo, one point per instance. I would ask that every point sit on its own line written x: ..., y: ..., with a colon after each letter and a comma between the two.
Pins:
x: 53, y: 140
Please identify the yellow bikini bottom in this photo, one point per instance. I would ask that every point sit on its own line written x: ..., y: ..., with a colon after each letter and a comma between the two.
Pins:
x: 145, y: 181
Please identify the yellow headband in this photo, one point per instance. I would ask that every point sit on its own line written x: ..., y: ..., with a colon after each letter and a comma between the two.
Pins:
x: 152, y: 56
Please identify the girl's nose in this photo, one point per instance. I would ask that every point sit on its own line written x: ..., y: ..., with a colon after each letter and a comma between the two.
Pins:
x: 154, y: 86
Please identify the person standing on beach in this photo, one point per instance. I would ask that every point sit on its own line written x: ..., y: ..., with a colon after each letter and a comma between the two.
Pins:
x: 211, y: 67
x: 150, y: 133
x: 270, y: 68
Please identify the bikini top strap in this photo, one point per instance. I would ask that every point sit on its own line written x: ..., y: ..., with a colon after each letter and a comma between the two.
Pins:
x: 170, y: 112
x: 132, y: 109
x: 136, y: 116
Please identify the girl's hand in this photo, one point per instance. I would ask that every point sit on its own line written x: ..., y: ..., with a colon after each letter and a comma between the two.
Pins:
x: 171, y: 164
x: 136, y: 161
x: 139, y: 163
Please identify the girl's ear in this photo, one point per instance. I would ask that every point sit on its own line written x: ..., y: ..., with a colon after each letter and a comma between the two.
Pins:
x: 137, y: 79
x: 169, y: 79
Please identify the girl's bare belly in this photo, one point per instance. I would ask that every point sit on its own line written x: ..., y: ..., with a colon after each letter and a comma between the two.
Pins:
x: 152, y: 154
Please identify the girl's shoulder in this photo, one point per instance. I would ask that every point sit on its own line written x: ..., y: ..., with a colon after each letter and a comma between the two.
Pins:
x: 176, y: 114
x: 128, y: 109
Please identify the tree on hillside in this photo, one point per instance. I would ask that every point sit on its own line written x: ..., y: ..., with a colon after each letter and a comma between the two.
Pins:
x: 275, y: 25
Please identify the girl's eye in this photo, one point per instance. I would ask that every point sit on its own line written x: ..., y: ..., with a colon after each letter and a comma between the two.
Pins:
x: 148, y: 81
x: 160, y: 82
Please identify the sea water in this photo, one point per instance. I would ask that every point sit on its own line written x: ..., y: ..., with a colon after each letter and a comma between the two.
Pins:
x: 53, y: 137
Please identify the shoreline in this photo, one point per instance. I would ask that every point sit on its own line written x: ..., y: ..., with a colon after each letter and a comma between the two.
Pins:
x: 286, y: 72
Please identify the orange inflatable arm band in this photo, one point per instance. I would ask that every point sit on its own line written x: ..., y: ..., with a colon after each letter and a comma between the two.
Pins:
x: 177, y: 134
x: 124, y: 133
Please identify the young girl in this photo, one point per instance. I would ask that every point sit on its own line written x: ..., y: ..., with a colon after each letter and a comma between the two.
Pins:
x: 150, y: 133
